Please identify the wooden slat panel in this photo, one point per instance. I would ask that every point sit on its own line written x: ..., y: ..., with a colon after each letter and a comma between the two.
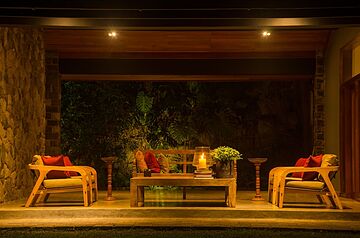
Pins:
x: 96, y: 42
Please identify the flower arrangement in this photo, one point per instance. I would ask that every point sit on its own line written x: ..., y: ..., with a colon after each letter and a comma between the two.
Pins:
x: 225, y: 153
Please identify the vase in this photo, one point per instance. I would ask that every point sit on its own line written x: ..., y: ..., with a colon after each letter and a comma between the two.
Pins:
x: 224, y: 169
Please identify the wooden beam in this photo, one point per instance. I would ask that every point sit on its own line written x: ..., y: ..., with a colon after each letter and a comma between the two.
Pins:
x: 291, y: 66
x: 185, y: 55
x: 220, y: 78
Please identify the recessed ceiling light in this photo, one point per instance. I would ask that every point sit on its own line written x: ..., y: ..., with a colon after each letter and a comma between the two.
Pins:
x: 266, y: 33
x: 112, y: 34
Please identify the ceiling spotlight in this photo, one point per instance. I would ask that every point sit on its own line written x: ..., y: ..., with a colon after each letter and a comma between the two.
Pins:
x: 112, y: 34
x: 266, y: 33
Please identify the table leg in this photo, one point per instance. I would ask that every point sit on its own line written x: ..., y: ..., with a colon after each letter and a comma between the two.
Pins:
x: 232, y: 194
x: 227, y: 195
x: 184, y: 193
x: 140, y: 196
x: 133, y: 195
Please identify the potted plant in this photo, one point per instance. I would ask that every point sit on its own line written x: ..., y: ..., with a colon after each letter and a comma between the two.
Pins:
x: 224, y: 157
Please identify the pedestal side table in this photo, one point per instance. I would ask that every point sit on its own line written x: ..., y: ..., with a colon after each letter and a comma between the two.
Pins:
x: 109, y: 164
x: 257, y: 162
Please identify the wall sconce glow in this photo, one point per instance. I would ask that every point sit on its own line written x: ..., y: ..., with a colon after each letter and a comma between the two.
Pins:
x: 266, y: 33
x: 112, y: 34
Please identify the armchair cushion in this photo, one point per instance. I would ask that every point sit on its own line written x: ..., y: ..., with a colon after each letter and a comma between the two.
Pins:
x: 66, y: 182
x: 302, y: 162
x: 314, y: 185
x: 54, y: 161
x: 59, y: 160
x: 67, y: 162
x: 314, y: 161
x: 329, y: 160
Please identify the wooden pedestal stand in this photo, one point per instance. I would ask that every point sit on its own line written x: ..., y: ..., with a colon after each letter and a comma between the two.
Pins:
x: 257, y: 162
x: 109, y: 162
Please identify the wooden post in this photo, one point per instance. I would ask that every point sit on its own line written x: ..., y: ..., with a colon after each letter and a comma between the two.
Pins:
x: 257, y: 162
x: 109, y: 162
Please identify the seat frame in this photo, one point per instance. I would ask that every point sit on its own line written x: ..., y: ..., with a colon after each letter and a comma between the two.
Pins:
x: 277, y: 185
x: 41, y: 193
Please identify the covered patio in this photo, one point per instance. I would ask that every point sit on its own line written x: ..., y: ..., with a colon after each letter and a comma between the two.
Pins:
x: 315, y: 47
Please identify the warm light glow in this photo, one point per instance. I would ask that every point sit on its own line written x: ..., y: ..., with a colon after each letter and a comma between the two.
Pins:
x: 112, y: 34
x: 266, y: 33
x: 202, y: 162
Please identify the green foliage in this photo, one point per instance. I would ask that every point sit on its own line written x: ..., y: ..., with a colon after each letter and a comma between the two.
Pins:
x: 225, y: 153
x: 144, y: 103
x: 114, y: 118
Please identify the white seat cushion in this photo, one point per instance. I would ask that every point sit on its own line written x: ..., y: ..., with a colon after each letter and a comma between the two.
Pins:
x: 61, y: 183
x: 315, y: 185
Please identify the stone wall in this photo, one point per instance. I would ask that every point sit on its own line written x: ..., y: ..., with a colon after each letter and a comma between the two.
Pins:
x: 53, y: 104
x: 22, y: 108
x: 318, y: 107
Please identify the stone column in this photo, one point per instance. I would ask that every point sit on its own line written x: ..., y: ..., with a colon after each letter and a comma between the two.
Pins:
x: 53, y: 104
x: 22, y: 108
x: 318, y: 108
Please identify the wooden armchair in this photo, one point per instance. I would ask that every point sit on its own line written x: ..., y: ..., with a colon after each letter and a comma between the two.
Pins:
x: 279, y: 183
x: 85, y: 182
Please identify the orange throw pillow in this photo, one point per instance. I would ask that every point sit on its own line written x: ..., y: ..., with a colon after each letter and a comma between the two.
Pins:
x: 140, y: 161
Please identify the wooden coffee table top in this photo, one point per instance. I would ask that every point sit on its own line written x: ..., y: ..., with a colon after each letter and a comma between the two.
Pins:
x: 182, y: 181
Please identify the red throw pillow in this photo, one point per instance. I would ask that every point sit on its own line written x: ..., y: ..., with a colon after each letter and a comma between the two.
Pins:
x: 54, y: 161
x: 302, y: 162
x: 152, y: 163
x: 67, y: 162
x: 314, y: 161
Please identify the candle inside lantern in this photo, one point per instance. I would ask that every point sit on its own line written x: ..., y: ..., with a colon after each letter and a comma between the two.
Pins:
x: 202, y: 162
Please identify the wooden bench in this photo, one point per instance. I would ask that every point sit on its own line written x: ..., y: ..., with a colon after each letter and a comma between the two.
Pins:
x: 184, y: 179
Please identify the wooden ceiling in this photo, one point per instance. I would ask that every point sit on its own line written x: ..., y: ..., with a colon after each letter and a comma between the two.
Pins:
x: 91, y: 43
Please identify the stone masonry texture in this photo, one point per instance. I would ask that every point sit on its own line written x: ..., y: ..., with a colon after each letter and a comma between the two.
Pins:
x: 53, y: 104
x: 318, y: 109
x: 22, y: 108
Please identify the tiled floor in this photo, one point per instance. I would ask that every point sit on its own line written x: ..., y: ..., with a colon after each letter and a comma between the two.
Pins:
x: 202, y: 208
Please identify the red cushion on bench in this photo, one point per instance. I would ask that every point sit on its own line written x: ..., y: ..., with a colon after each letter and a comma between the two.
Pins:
x: 151, y: 162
